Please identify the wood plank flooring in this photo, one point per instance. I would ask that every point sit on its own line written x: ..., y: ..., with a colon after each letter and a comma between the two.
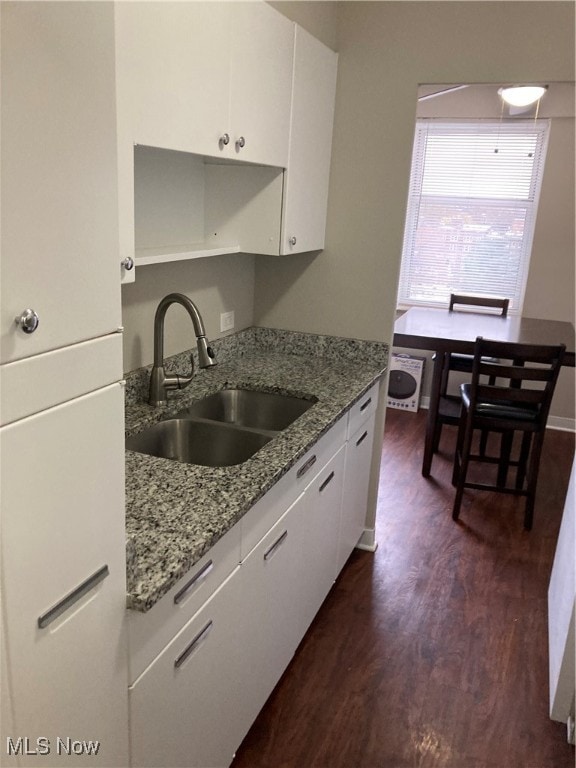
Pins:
x: 432, y: 652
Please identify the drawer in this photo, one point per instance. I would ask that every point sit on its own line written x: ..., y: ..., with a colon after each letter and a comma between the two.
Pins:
x: 187, y: 707
x: 149, y: 632
x: 362, y: 410
x: 265, y: 513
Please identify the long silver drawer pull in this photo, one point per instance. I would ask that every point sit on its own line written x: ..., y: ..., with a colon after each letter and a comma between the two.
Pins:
x: 325, y: 483
x: 68, y: 601
x: 269, y: 552
x: 366, y: 404
x: 305, y: 467
x: 204, y: 571
x: 189, y: 648
x: 361, y: 439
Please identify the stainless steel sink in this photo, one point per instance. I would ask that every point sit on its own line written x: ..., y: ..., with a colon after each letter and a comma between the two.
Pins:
x: 221, y: 430
x: 249, y: 408
x: 198, y: 442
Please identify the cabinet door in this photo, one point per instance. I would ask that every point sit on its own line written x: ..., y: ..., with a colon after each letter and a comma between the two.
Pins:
x: 59, y: 228
x: 272, y: 598
x: 62, y: 528
x: 318, y: 570
x: 187, y: 708
x: 307, y: 177
x: 261, y: 83
x: 173, y: 63
x: 355, y: 494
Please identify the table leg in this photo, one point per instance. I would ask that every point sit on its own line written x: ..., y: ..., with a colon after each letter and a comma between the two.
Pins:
x: 432, y: 411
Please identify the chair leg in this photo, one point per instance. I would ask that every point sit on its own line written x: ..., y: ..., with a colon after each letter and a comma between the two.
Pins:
x: 445, y: 373
x: 458, y: 452
x: 462, y: 458
x: 437, y: 434
x: 443, y: 387
x: 523, y: 460
x: 504, y: 462
x: 533, y: 467
x: 483, y: 442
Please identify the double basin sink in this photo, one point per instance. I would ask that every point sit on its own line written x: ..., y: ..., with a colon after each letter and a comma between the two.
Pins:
x: 221, y: 430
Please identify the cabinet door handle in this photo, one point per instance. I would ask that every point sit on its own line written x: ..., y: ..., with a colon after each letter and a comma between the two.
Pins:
x: 325, y: 483
x: 240, y: 142
x: 361, y: 439
x: 306, y: 466
x: 193, y: 643
x: 203, y: 572
x: 366, y: 404
x: 73, y: 597
x: 293, y: 240
x: 280, y: 540
x: 127, y: 263
x: 28, y: 320
x: 224, y: 140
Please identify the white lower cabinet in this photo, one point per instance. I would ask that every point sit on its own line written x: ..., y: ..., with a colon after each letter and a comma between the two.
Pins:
x: 318, y: 566
x: 355, y: 494
x: 187, y: 708
x: 271, y: 589
x: 195, y: 702
x: 63, y: 584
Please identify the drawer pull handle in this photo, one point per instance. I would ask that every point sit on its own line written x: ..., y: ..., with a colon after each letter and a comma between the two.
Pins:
x: 190, y: 647
x: 325, y: 483
x: 204, y: 571
x: 269, y: 552
x: 361, y: 439
x: 366, y: 404
x: 305, y: 467
x: 68, y: 601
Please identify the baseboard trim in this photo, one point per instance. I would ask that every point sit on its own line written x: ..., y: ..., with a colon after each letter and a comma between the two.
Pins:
x: 368, y: 541
x: 560, y: 423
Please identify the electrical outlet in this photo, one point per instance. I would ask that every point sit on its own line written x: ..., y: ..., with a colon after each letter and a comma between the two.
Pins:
x: 226, y: 321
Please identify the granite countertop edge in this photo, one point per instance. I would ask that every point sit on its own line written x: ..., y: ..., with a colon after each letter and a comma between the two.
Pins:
x: 176, y: 512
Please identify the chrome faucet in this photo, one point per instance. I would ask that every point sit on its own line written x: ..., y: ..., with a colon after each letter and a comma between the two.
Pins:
x: 160, y: 383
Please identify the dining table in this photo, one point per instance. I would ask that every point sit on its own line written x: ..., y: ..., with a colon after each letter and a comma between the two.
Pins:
x: 442, y: 330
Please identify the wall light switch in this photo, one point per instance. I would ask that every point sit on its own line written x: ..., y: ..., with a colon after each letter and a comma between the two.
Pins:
x: 226, y: 321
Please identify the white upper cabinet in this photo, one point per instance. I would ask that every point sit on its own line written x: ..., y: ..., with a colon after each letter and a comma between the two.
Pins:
x: 234, y: 82
x: 261, y: 83
x: 173, y: 65
x: 59, y: 225
x: 209, y: 78
x: 306, y: 180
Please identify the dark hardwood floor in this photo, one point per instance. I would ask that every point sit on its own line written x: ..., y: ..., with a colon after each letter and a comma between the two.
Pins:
x: 433, y: 650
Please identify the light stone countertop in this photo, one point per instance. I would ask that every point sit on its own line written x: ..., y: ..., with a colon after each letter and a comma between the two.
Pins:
x: 176, y: 512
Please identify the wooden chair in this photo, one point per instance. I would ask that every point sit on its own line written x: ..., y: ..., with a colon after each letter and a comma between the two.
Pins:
x: 525, y: 376
x: 449, y: 405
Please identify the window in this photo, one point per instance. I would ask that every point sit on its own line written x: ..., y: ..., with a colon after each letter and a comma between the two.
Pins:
x: 471, y: 211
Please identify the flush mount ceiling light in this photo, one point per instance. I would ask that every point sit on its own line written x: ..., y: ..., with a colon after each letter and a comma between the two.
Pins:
x: 522, y: 95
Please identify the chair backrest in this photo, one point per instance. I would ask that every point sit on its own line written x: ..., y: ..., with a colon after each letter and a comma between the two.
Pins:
x: 487, y: 302
x: 526, y: 378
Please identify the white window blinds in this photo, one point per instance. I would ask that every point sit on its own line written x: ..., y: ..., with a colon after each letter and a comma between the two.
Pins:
x: 471, y: 211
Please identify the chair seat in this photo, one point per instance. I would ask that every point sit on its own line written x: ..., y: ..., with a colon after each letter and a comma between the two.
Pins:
x: 500, y: 409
